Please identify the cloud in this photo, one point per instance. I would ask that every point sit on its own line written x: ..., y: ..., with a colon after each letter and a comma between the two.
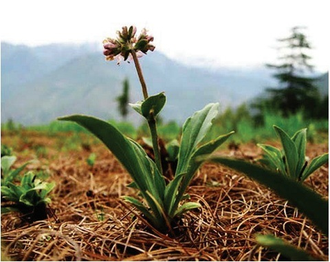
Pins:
x: 231, y: 32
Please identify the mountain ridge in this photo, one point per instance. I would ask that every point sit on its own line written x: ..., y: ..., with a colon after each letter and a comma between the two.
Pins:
x: 68, y: 79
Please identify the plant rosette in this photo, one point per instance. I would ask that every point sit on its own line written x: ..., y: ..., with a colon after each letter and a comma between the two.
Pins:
x: 160, y: 201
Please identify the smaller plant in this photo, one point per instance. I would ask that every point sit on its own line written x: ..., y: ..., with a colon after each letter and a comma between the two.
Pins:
x: 91, y: 159
x: 7, y: 173
x: 291, y: 161
x: 6, y: 150
x: 29, y: 198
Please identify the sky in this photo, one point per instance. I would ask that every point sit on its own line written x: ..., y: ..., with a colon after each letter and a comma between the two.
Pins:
x: 232, y: 33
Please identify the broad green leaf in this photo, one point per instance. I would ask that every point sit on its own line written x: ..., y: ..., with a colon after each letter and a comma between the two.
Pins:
x: 28, y: 198
x: 316, y: 163
x: 194, y: 130
x: 17, y: 190
x: 27, y: 180
x: 275, y: 156
x: 171, y: 193
x: 158, y: 181
x: 206, y: 149
x: 186, y: 207
x: 48, y: 188
x: 153, y: 104
x: 6, y: 163
x: 286, y: 249
x: 9, y: 194
x: 129, y: 153
x: 133, y: 185
x: 155, y: 183
x: 132, y: 156
x: 300, y: 140
x: 193, y: 165
x: 290, y: 153
x: 141, y: 207
x: 307, y: 201
x: 14, y: 173
x: 159, y: 211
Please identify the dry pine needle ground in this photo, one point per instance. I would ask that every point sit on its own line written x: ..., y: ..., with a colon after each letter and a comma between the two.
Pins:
x: 91, y: 222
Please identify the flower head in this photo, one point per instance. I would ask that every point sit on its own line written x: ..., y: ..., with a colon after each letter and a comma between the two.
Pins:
x: 121, y: 47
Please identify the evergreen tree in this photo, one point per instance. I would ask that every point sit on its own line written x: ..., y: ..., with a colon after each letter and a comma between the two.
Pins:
x: 296, y: 90
x: 123, y: 99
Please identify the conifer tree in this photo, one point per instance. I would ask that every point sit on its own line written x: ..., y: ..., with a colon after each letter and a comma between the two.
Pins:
x: 296, y: 90
x: 123, y: 99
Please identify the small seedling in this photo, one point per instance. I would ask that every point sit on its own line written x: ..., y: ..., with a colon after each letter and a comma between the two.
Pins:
x: 91, y: 159
x: 6, y: 150
x: 29, y: 198
x: 291, y: 160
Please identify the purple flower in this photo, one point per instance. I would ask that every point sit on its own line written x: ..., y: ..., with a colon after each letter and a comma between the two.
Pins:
x: 121, y: 47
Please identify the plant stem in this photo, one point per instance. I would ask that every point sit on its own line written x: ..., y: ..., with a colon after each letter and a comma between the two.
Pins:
x: 139, y: 72
x: 155, y: 144
x: 151, y: 118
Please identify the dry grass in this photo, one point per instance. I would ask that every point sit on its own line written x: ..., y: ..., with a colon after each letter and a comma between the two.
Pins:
x: 91, y: 222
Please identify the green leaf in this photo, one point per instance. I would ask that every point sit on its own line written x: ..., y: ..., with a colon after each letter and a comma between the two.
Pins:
x: 194, y: 130
x: 186, y: 207
x: 171, y: 191
x: 141, y: 207
x: 16, y: 191
x: 300, y: 140
x: 316, y: 163
x: 9, y: 193
x: 33, y: 197
x: 132, y: 156
x: 47, y: 189
x: 129, y: 153
x: 29, y: 198
x: 300, y: 196
x: 286, y: 249
x: 153, y: 104
x: 14, y: 173
x: 193, y: 165
x: 6, y: 163
x: 133, y: 185
x: 155, y: 183
x: 290, y: 153
x: 275, y: 156
x: 159, y: 211
x: 27, y: 181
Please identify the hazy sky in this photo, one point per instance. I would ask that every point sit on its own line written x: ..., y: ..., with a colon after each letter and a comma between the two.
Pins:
x: 226, y: 33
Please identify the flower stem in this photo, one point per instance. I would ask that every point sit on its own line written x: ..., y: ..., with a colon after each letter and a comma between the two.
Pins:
x: 155, y: 144
x: 139, y: 72
x: 151, y: 118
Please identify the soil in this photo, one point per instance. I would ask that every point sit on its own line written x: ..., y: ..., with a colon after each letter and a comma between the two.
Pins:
x: 90, y: 221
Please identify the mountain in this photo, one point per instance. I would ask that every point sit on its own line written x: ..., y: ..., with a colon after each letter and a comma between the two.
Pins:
x: 323, y: 84
x: 22, y: 64
x: 40, y: 84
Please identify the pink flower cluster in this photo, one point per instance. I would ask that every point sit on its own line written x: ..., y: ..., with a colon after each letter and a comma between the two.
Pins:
x: 121, y: 47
